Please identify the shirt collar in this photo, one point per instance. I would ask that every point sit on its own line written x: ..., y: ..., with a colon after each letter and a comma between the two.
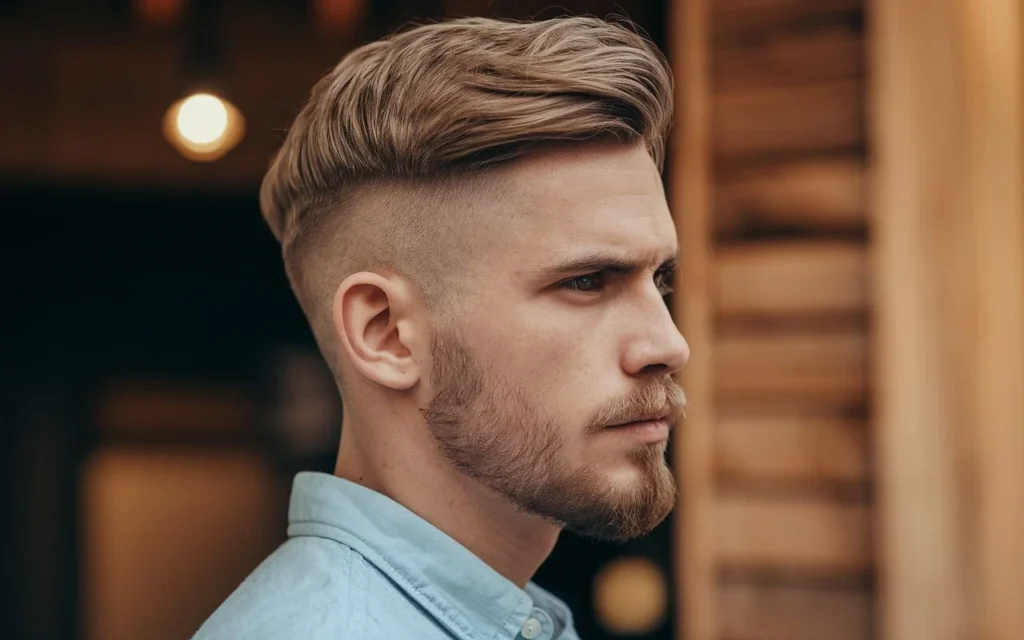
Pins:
x: 455, y: 586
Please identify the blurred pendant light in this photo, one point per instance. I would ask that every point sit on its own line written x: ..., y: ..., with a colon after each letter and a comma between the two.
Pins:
x: 631, y: 596
x: 203, y: 125
x: 337, y: 17
x: 158, y: 13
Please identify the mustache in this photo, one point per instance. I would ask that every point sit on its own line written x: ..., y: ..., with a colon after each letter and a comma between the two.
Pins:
x: 651, y: 396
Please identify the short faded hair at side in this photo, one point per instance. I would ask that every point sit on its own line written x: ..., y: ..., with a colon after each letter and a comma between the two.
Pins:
x: 397, y: 153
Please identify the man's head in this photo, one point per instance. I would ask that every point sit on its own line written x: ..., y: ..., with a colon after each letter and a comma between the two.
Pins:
x: 472, y: 218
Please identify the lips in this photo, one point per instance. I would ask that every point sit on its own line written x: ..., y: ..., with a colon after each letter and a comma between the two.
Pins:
x: 643, y: 432
x: 647, y: 417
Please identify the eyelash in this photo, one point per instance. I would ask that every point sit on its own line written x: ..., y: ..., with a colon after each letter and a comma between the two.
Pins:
x: 665, y: 287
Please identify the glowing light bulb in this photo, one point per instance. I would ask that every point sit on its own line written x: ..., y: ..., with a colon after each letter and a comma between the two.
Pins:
x: 202, y: 118
x: 203, y: 127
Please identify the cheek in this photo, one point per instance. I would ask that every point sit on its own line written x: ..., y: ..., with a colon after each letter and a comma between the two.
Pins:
x: 574, y: 357
x: 556, y: 353
x: 560, y: 374
x: 544, y: 354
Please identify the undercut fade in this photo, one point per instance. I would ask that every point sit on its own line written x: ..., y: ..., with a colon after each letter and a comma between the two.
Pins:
x: 385, y: 164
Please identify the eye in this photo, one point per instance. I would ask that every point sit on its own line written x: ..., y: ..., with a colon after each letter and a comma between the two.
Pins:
x: 588, y: 283
x: 664, y: 280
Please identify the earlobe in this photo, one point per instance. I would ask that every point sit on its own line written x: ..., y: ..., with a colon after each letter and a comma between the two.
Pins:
x: 372, y: 323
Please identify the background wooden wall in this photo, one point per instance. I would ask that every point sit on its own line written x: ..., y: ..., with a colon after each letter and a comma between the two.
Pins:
x: 769, y: 185
x: 948, y: 112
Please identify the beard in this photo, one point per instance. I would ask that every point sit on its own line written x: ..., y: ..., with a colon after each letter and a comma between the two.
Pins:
x: 491, y: 432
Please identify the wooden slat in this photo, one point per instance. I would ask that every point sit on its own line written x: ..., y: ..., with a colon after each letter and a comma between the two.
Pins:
x: 792, y: 536
x: 822, y: 194
x: 778, y: 612
x: 745, y: 20
x: 791, y: 278
x: 691, y: 192
x: 804, y: 369
x: 829, y: 53
x: 792, y: 449
x: 785, y: 120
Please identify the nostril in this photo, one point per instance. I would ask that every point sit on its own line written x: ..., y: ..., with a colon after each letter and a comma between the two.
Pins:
x: 651, y: 369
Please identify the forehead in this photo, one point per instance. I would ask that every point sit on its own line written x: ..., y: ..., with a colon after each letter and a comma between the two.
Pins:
x: 605, y: 198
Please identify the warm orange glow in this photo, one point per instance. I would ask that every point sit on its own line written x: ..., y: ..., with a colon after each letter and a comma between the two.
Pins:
x: 203, y: 127
x: 337, y: 16
x: 630, y: 596
x: 159, y: 13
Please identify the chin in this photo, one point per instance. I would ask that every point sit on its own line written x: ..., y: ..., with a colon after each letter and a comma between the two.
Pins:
x: 640, y: 463
x: 626, y: 476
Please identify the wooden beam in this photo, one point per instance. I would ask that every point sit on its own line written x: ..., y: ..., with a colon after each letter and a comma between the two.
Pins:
x: 793, y: 536
x: 690, y: 194
x: 792, y: 448
x: 786, y: 612
x: 824, y: 194
x: 791, y: 278
x: 788, y: 120
x: 994, y: 42
x: 949, y: 230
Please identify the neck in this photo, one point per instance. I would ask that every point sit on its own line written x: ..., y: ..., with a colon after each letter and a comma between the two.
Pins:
x: 512, y: 542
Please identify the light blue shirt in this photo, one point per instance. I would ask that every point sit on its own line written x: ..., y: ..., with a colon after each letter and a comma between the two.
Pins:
x: 359, y: 566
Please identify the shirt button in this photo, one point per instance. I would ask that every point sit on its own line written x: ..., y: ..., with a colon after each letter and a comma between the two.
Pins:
x: 531, y: 628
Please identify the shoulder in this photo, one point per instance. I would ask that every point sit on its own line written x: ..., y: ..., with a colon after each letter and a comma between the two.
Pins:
x: 308, y: 588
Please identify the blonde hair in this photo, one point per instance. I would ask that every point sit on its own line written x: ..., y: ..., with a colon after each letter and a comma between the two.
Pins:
x: 389, y: 160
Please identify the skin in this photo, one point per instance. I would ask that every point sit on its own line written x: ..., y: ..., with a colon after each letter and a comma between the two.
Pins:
x: 493, y: 424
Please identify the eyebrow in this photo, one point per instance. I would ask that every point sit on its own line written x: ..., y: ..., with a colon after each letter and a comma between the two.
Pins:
x: 613, y: 263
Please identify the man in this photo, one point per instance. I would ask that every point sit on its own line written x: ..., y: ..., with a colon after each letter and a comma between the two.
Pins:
x: 472, y: 218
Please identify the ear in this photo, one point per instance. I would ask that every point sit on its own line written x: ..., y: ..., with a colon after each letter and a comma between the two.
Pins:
x: 375, y: 322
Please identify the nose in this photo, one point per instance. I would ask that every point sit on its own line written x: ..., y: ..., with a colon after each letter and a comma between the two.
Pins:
x: 658, y: 347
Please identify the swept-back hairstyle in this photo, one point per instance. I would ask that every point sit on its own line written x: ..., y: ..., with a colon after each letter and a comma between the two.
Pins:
x: 385, y: 164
